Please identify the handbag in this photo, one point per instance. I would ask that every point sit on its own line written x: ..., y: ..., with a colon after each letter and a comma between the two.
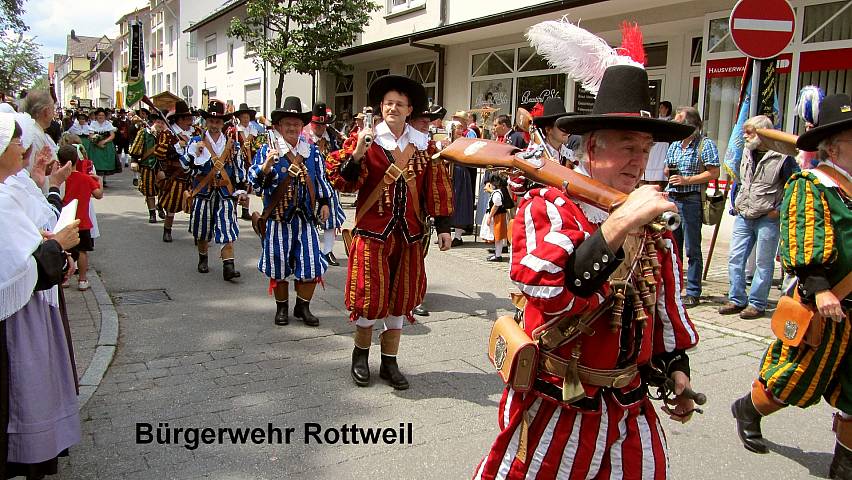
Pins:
x: 513, y: 353
x: 795, y: 323
x: 712, y: 206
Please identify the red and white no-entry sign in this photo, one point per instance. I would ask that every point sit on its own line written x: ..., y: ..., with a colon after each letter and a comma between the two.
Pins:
x: 762, y: 28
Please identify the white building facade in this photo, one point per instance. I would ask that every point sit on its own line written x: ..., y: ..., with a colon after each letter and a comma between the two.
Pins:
x: 487, y: 61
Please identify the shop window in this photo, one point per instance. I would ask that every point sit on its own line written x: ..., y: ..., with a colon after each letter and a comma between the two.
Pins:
x: 343, y: 84
x: 537, y: 89
x: 495, y: 93
x: 493, y: 63
x: 828, y: 22
x: 829, y: 81
x: 529, y: 61
x: 423, y: 73
x: 656, y: 55
x: 372, y: 75
x: 719, y: 38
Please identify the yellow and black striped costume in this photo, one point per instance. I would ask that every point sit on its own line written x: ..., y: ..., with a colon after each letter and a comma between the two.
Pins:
x: 176, y: 178
x: 142, y: 152
x: 816, y: 245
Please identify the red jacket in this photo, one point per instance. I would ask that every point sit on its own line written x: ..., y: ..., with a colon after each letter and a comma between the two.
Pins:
x: 396, y: 209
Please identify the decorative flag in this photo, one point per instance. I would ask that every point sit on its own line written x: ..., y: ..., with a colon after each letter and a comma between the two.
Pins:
x: 136, y: 69
x: 736, y: 144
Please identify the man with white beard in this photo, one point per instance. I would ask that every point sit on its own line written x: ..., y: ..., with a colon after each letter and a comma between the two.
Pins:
x: 763, y: 173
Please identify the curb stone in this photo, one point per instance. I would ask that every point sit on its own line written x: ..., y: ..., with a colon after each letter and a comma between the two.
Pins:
x: 107, y: 341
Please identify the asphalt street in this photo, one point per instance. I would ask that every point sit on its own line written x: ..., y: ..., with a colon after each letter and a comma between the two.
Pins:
x: 200, y: 352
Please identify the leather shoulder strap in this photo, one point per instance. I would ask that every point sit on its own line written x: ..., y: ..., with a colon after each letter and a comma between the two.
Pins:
x: 844, y: 288
x: 838, y: 178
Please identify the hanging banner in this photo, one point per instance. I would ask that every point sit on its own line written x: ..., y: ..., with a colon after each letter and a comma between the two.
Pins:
x: 136, y: 69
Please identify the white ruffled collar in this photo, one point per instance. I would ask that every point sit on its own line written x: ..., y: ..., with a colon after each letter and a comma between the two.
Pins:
x: 386, y: 139
x: 302, y: 148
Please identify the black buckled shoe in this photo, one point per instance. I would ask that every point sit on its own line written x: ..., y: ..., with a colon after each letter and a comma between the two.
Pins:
x: 841, y: 464
x: 152, y: 216
x: 161, y: 212
x: 389, y: 371
x: 167, y: 235
x: 302, y: 311
x: 361, y: 366
x: 202, y: 263
x: 748, y: 425
x: 229, y: 272
x: 420, y: 311
x: 282, y: 313
x: 332, y: 260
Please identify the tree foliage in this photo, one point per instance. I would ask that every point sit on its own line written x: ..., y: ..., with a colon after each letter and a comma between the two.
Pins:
x: 19, y: 62
x: 10, y: 16
x: 301, y: 36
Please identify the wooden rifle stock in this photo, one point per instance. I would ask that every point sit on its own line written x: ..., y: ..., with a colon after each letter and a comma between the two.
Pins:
x: 479, y: 153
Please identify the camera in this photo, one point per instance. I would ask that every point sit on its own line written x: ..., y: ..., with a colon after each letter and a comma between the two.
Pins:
x: 673, y: 170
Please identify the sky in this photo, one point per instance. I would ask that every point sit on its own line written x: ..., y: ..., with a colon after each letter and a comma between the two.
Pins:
x: 50, y: 21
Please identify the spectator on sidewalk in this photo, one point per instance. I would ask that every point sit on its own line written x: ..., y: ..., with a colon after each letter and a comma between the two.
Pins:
x: 498, y: 207
x: 763, y: 173
x: 81, y: 187
x: 462, y: 190
x: 692, y: 164
x: 39, y: 417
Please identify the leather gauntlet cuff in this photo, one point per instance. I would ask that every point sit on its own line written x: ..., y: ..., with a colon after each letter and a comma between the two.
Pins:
x: 591, y: 265
x: 674, y: 361
x: 812, y: 280
x: 443, y: 224
x: 351, y: 170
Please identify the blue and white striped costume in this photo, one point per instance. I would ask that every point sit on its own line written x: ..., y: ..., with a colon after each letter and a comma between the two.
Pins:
x: 291, y: 247
x: 214, y: 209
x: 336, y: 215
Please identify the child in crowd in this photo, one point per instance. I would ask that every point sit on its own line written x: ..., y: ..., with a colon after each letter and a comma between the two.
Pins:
x: 81, y: 187
x: 499, y: 204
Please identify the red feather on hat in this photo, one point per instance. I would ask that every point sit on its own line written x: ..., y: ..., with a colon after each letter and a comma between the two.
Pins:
x: 631, y: 42
x: 537, y: 110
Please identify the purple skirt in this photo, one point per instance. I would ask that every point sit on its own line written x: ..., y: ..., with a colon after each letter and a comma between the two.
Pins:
x: 43, y: 412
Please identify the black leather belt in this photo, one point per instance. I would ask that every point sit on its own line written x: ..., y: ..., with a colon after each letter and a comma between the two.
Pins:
x: 682, y: 194
x: 592, y: 403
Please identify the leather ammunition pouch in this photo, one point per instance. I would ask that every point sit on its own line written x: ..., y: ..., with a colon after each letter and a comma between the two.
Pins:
x: 513, y: 353
x: 795, y: 323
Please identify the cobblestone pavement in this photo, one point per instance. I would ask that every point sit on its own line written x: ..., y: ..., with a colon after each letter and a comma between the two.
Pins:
x: 208, y: 355
x: 84, y: 318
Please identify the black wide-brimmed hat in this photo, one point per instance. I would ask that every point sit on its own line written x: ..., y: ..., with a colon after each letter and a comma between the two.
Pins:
x: 835, y: 116
x: 436, y: 112
x: 553, y: 109
x: 292, y: 107
x: 321, y: 114
x: 414, y: 91
x: 181, y: 110
x: 141, y: 110
x: 244, y: 108
x: 624, y: 103
x: 215, y: 109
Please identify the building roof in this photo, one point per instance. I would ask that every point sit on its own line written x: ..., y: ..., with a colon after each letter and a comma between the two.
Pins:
x: 141, y: 11
x: 79, y: 46
x: 227, y: 7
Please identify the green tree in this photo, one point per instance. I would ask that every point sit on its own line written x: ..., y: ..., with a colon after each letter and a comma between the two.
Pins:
x: 41, y: 83
x: 19, y: 62
x: 10, y: 15
x: 300, y: 36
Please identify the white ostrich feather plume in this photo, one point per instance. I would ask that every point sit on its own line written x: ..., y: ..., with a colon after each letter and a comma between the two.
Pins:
x: 576, y: 52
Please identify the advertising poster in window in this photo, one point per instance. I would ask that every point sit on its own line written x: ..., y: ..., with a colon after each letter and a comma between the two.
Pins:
x: 494, y: 93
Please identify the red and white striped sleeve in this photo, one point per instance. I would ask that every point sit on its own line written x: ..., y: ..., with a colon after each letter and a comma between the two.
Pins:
x: 673, y: 330
x: 545, y: 234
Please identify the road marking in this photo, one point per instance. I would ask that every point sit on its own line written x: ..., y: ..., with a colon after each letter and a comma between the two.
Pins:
x: 763, y: 25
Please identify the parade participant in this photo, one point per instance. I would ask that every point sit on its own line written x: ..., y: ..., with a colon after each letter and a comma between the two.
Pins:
x: 554, y: 138
x: 398, y: 184
x: 172, y: 176
x: 139, y: 121
x: 81, y: 126
x: 101, y: 148
x: 463, y: 197
x: 461, y: 117
x: 290, y: 173
x: 504, y: 132
x: 218, y: 184
x: 574, y: 262
x: 318, y: 132
x: 816, y: 246
x: 245, y: 131
x: 145, y: 164
x: 122, y: 136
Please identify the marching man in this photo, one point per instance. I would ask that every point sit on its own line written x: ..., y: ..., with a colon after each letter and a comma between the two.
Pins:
x: 290, y: 173
x: 145, y: 164
x: 219, y: 183
x: 398, y: 185
x: 172, y: 176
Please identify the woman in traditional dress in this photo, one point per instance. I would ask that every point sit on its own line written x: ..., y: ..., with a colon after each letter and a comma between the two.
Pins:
x: 102, y: 149
x: 39, y: 419
x: 462, y: 190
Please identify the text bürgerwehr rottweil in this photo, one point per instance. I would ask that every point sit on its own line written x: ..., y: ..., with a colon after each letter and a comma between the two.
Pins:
x: 311, y: 434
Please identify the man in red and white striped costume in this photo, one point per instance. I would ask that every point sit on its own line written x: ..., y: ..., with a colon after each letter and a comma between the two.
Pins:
x: 565, y: 257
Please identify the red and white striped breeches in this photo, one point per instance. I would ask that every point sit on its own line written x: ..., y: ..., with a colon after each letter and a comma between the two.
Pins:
x: 616, y: 442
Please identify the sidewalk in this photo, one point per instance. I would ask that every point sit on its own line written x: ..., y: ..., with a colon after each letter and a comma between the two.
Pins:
x: 94, y: 332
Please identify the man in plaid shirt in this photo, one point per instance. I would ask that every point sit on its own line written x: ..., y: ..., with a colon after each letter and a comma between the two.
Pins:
x: 692, y: 164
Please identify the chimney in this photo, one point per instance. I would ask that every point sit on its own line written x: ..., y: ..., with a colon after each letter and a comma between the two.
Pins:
x: 73, y: 35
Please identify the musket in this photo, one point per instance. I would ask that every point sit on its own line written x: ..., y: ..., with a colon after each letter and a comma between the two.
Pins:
x: 488, y: 154
x: 368, y: 123
x: 524, y: 121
